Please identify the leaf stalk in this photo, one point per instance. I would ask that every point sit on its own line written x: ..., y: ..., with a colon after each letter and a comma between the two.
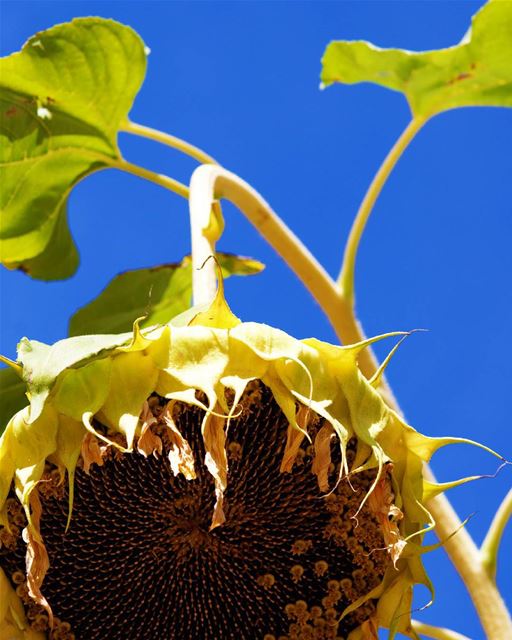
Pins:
x: 158, y: 178
x: 169, y: 140
x: 347, y: 273
x: 491, y: 544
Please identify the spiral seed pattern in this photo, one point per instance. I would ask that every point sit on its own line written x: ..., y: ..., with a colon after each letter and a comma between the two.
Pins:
x: 139, y: 560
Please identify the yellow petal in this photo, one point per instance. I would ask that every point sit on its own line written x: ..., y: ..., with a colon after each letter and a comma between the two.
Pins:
x: 132, y: 379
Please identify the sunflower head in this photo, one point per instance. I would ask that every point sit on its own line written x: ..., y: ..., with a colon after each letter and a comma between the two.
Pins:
x: 208, y: 478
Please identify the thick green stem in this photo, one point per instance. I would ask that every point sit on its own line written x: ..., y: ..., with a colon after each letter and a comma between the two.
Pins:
x: 491, y: 544
x: 346, y: 277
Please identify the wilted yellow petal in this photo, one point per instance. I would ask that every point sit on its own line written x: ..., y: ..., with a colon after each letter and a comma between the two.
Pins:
x: 24, y: 447
x: 148, y: 443
x: 323, y: 455
x: 132, y: 379
x: 37, y: 557
x: 295, y: 436
x: 70, y: 436
x: 84, y: 389
x: 90, y: 452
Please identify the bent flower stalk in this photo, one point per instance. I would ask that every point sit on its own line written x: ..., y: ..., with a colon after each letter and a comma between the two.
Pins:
x: 208, y: 478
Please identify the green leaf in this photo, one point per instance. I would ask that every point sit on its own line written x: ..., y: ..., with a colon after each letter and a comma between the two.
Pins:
x: 63, y: 98
x: 12, y: 396
x: 476, y: 72
x: 59, y: 259
x: 158, y: 293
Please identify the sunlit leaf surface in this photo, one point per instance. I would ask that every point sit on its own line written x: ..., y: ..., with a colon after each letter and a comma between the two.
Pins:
x: 63, y: 98
x: 476, y: 72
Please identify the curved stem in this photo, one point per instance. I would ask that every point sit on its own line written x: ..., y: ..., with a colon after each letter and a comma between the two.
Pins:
x: 211, y: 182
x: 158, y: 178
x: 208, y: 270
x: 436, y: 632
x: 491, y: 544
x: 346, y: 277
x: 167, y: 139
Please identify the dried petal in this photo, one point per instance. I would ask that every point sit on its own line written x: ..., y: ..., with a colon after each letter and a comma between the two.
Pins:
x: 180, y: 453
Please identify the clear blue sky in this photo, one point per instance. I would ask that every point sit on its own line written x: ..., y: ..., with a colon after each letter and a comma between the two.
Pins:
x: 240, y: 79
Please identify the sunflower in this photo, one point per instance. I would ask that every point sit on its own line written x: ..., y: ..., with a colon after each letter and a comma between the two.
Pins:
x: 208, y: 479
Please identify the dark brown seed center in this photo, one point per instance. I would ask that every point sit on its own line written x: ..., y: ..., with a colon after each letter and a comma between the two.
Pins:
x: 139, y: 560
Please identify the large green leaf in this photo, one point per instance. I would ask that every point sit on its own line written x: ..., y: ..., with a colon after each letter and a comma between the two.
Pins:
x: 63, y: 98
x: 476, y: 72
x: 12, y: 395
x: 158, y: 293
